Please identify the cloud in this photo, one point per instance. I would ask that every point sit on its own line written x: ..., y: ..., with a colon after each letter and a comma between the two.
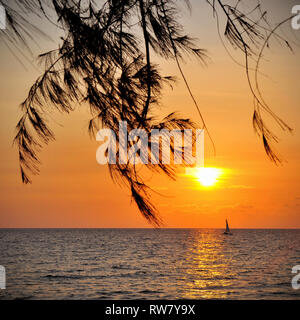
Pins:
x: 238, y: 186
x: 235, y: 208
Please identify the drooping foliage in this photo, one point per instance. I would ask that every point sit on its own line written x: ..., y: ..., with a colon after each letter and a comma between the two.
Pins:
x: 102, y: 62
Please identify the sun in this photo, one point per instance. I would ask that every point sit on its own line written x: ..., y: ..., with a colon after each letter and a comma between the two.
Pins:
x: 208, y: 177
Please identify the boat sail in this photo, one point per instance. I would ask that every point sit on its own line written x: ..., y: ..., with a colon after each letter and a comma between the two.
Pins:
x: 227, y: 231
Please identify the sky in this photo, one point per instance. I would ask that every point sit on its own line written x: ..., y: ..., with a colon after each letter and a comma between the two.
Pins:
x: 74, y: 191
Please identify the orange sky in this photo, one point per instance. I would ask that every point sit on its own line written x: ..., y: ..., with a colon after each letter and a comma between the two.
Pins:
x: 74, y: 191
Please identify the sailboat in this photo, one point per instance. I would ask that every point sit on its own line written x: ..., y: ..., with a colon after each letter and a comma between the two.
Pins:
x: 227, y: 231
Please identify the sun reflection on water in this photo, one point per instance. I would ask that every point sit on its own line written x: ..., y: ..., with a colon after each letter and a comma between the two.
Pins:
x: 210, y: 271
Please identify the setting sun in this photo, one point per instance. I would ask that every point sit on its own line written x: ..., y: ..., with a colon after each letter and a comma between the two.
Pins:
x: 206, y: 176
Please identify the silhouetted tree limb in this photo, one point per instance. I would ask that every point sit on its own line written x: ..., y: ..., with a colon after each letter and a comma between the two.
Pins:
x: 100, y: 62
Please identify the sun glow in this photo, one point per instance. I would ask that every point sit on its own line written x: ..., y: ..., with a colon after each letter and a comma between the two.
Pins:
x: 208, y: 177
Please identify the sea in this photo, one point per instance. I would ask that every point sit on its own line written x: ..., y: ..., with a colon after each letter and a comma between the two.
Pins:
x: 149, y: 263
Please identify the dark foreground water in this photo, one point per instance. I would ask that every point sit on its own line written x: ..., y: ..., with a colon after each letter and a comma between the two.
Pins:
x: 149, y: 264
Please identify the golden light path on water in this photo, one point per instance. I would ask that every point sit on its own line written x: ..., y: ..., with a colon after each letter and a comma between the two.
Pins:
x: 210, y: 260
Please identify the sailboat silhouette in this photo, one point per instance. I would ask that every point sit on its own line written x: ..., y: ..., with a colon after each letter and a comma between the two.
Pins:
x: 227, y: 231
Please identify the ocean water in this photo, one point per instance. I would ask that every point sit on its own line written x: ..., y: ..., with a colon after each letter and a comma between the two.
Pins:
x: 149, y: 264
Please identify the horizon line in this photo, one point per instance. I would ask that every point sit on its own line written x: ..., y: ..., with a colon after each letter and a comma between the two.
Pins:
x: 150, y: 228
